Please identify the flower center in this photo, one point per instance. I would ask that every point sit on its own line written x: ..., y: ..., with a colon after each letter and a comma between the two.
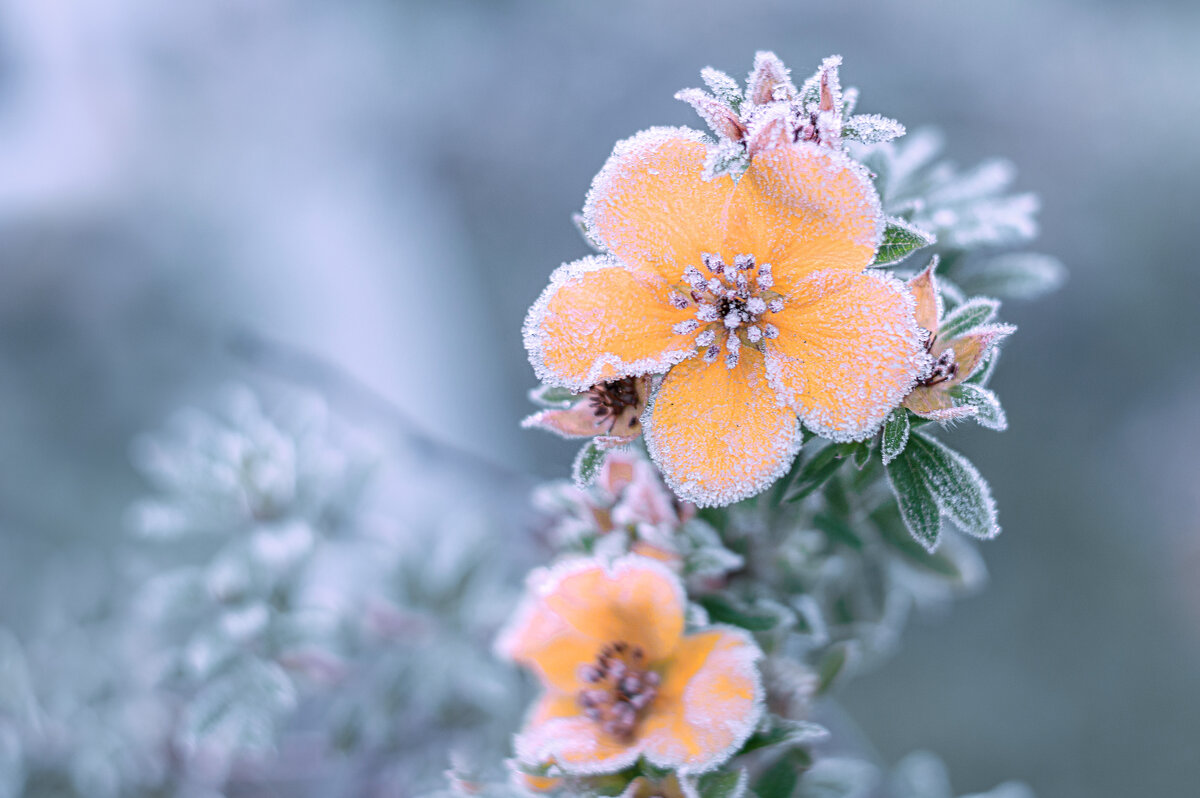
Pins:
x: 610, y: 399
x: 728, y: 305
x: 621, y: 687
x: 945, y: 367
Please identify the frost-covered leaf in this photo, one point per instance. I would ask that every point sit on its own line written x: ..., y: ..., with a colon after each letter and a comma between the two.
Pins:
x: 580, y: 222
x: 779, y: 780
x: 918, y: 507
x: 587, y: 464
x: 703, y: 552
x: 1017, y: 275
x: 837, y: 777
x: 837, y: 528
x: 723, y: 87
x: 961, y: 492
x: 241, y: 709
x: 722, y: 784
x: 817, y: 470
x: 900, y: 238
x: 991, y: 221
x: 967, y: 316
x: 719, y: 116
x: 871, y: 129
x: 862, y: 455
x: 760, y: 616
x: 895, y: 533
x: 784, y: 731
x: 895, y: 435
x: 725, y: 158
x: 988, y: 411
x: 552, y: 396
x: 836, y: 662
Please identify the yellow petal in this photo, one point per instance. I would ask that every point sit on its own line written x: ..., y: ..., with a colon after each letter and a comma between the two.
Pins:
x: 599, y: 321
x: 802, y: 208
x: 578, y: 607
x: 720, y: 434
x: 651, y: 207
x: 848, y: 351
x: 710, y: 702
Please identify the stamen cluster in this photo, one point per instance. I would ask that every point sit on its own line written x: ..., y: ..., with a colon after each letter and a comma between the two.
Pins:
x: 727, y: 304
x: 622, y: 688
x: 610, y: 399
x: 943, y: 369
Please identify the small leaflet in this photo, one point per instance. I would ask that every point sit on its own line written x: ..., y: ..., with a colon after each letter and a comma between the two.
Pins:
x: 871, y: 129
x: 961, y: 493
x: 723, y: 87
x: 988, y: 411
x: 895, y: 435
x: 723, y: 784
x: 587, y: 464
x: 552, y: 396
x: 918, y: 507
x: 967, y: 316
x: 900, y: 238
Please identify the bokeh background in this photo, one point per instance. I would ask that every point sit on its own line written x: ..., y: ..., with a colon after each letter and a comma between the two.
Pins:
x: 384, y: 185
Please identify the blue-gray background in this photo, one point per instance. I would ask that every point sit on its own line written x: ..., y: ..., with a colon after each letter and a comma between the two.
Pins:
x: 386, y: 185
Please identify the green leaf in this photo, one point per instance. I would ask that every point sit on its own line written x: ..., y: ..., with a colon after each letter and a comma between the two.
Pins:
x: 722, y: 784
x: 1017, y: 275
x: 779, y: 780
x: 918, y: 507
x: 862, y: 455
x: 587, y: 464
x: 784, y: 731
x: 892, y: 529
x: 900, y: 238
x: 837, y: 529
x: 832, y: 665
x: 723, y: 87
x: 816, y: 470
x: 960, y: 491
x: 988, y: 411
x: 967, y: 316
x: 552, y: 396
x: 895, y: 435
x: 752, y: 617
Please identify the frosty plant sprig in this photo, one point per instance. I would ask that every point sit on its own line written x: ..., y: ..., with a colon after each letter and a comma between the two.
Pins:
x: 759, y: 367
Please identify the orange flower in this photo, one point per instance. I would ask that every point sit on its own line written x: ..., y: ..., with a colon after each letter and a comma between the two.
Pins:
x: 621, y: 678
x: 956, y: 352
x: 753, y: 298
